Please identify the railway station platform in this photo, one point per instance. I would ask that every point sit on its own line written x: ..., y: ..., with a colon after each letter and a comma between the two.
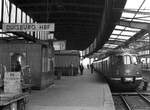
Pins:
x: 86, y: 92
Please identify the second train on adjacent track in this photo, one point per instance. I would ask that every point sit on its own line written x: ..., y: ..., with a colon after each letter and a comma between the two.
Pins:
x: 121, y: 69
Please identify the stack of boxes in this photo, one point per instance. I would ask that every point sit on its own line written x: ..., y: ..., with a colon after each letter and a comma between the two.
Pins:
x: 12, y: 82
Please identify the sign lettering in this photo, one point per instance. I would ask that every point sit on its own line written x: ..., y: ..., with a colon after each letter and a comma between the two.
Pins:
x: 19, y: 27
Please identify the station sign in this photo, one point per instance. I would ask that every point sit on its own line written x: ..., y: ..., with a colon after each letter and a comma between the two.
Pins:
x: 59, y: 45
x: 23, y: 27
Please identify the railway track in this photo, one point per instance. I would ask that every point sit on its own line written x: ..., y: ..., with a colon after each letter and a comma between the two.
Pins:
x: 132, y: 101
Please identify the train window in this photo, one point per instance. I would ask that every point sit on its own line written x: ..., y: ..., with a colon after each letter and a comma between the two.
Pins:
x: 127, y: 59
x: 143, y: 60
x: 148, y: 60
x: 134, y: 59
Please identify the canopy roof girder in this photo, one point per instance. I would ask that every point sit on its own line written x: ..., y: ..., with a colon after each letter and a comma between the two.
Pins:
x: 133, y: 24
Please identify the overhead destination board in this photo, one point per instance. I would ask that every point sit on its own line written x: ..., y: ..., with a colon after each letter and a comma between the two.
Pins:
x: 20, y: 27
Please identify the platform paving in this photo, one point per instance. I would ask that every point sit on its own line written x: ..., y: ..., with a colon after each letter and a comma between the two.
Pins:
x: 86, y: 92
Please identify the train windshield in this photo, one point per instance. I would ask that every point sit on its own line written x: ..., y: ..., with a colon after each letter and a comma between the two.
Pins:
x: 128, y: 59
x: 134, y: 59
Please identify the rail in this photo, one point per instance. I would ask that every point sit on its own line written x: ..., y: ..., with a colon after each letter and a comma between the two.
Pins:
x: 141, y: 95
x: 132, y: 100
x: 125, y: 102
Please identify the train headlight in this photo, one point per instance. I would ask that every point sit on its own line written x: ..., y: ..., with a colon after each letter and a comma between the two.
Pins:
x: 127, y: 71
x: 137, y: 72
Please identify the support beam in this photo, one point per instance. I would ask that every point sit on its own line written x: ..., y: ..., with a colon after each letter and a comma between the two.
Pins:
x: 134, y: 38
x: 133, y: 24
x: 107, y: 23
x: 70, y: 20
x: 125, y: 30
x: 135, y: 11
x: 82, y: 24
x: 122, y: 35
x: 64, y: 12
x: 60, y: 4
x: 115, y: 42
x: 25, y: 36
x: 22, y: 34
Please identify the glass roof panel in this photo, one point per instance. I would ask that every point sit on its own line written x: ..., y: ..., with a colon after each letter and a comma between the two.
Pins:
x: 128, y: 15
x: 119, y: 27
x: 122, y: 40
x: 127, y: 19
x: 132, y: 29
x: 141, y: 20
x: 128, y: 33
x: 135, y: 10
x: 116, y: 32
x: 140, y: 15
x: 112, y: 39
x: 141, y: 9
x: 113, y: 36
x: 133, y: 4
x: 110, y: 45
x: 147, y: 19
x: 146, y: 5
x: 124, y: 37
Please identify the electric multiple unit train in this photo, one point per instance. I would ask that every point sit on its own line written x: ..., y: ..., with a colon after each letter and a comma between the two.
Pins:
x: 121, y: 69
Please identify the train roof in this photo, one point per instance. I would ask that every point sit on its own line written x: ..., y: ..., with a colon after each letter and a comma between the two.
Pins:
x: 119, y: 52
x: 122, y: 51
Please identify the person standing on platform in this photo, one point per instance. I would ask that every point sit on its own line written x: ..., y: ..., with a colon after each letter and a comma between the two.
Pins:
x: 88, y: 66
x: 72, y: 67
x: 18, y: 66
x: 81, y: 69
x: 92, y: 68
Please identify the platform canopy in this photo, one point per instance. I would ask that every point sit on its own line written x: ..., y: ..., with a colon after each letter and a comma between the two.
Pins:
x: 132, y: 30
x: 78, y: 22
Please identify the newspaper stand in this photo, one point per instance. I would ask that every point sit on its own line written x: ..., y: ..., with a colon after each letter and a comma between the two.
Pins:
x: 13, y: 101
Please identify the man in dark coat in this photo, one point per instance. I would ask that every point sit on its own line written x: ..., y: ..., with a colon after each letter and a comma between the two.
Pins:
x: 92, y: 68
x: 81, y: 69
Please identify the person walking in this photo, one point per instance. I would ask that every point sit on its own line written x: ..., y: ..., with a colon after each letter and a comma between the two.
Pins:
x: 81, y: 69
x: 92, y: 68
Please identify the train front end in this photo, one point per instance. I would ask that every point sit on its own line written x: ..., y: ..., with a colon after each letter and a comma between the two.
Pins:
x: 127, y: 75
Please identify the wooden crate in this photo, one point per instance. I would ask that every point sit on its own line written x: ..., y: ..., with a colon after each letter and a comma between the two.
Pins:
x: 12, y: 82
